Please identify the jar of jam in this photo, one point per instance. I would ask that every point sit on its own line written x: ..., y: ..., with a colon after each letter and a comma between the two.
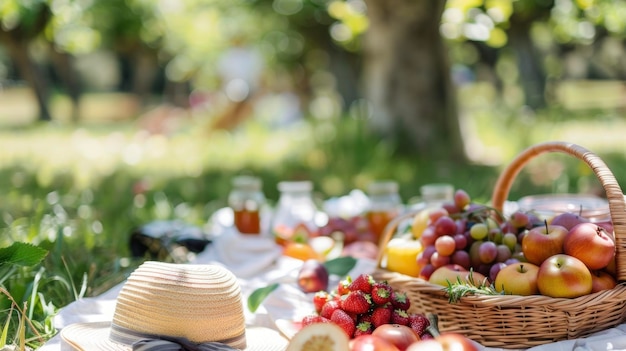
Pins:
x: 246, y: 200
x: 385, y: 204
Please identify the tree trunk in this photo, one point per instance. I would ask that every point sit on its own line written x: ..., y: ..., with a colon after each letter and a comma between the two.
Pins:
x: 532, y: 76
x: 30, y: 72
x: 407, y: 78
x: 64, y: 67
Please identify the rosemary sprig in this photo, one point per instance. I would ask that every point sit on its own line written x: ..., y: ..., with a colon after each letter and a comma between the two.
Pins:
x: 457, y: 290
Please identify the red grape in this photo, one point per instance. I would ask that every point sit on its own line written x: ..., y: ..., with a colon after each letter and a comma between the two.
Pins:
x: 445, y: 226
x: 461, y: 199
x: 460, y: 241
x: 462, y: 258
x: 487, y: 252
x: 438, y: 260
x: 445, y: 245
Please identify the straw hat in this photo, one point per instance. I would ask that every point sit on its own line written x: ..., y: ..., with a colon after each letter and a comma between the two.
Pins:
x: 166, y: 304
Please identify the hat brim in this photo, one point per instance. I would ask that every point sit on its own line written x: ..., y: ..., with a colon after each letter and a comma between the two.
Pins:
x: 95, y: 337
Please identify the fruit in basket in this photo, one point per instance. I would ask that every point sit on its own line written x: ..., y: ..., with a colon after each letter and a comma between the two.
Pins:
x: 313, y: 276
x: 420, y: 222
x: 566, y: 276
x: 542, y: 242
x: 591, y: 244
x: 401, y: 336
x: 518, y: 279
x: 319, y: 336
x: 601, y: 280
x: 568, y: 220
x: 450, y: 274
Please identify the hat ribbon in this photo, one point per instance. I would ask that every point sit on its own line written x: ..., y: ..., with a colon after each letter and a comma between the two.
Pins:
x: 178, y: 344
x: 148, y: 342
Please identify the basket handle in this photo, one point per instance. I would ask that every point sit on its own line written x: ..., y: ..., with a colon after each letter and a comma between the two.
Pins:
x: 389, y: 231
x: 614, y: 194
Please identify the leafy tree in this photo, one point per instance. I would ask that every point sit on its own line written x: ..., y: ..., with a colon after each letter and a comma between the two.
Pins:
x: 22, y: 22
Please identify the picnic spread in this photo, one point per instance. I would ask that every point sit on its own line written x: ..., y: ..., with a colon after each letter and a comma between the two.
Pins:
x: 542, y: 301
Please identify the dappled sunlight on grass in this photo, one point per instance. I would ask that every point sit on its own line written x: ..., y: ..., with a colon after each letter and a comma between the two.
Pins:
x: 88, y: 154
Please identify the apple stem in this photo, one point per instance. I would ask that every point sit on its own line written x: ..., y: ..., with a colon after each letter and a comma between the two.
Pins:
x: 545, y: 222
x: 433, y: 328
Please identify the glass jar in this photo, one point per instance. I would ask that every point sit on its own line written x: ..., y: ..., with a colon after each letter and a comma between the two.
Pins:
x: 546, y: 206
x: 433, y: 195
x: 246, y: 200
x: 294, y: 217
x: 384, y: 205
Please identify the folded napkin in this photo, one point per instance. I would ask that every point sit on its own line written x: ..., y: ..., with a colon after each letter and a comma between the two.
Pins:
x: 244, y: 255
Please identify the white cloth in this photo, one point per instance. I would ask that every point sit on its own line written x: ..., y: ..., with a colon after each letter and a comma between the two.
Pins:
x: 257, y: 262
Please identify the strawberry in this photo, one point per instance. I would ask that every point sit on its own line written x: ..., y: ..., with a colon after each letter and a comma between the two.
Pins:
x: 380, y: 316
x: 363, y: 328
x: 365, y: 317
x: 314, y: 319
x: 363, y: 282
x: 342, y: 319
x: 342, y: 287
x: 400, y: 300
x: 328, y: 308
x: 418, y: 322
x: 356, y: 302
x: 381, y: 293
x: 319, y: 299
x: 400, y: 317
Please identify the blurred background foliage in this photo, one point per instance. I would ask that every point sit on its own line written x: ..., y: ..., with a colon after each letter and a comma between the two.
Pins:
x: 114, y: 113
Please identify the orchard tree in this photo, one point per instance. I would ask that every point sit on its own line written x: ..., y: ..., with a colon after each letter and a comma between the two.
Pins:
x: 21, y: 23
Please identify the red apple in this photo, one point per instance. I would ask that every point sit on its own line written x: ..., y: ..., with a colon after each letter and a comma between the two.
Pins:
x: 542, y: 242
x: 401, y: 336
x: 313, y: 276
x: 369, y: 342
x: 562, y: 275
x: 445, y: 342
x: 568, y: 220
x: 450, y: 274
x: 601, y: 280
x: 591, y: 244
x: 518, y: 279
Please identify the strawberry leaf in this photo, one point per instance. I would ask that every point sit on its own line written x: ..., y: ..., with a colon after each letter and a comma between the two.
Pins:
x: 22, y: 254
x: 340, y: 266
x: 256, y: 298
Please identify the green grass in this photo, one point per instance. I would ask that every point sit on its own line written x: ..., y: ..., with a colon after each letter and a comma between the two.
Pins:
x: 79, y: 192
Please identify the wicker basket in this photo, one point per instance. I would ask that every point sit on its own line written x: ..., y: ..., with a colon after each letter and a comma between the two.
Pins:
x: 513, y: 322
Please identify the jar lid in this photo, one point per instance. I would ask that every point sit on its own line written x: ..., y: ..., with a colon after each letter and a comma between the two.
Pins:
x: 382, y: 187
x: 437, y: 191
x: 247, y: 182
x: 295, y: 186
x: 591, y: 207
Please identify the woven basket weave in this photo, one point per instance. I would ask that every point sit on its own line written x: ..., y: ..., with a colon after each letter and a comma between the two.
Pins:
x: 510, y: 321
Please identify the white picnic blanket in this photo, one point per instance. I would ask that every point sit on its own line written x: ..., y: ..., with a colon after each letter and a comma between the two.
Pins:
x: 257, y: 263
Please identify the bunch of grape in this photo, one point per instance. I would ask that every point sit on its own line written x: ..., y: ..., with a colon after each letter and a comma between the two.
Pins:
x: 470, y: 235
